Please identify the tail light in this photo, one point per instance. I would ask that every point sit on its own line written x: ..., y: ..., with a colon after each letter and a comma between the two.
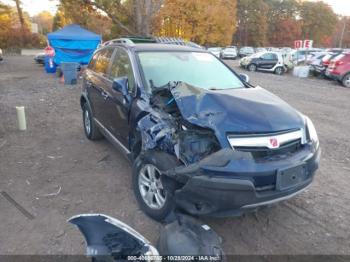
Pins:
x: 326, y: 62
x: 339, y: 62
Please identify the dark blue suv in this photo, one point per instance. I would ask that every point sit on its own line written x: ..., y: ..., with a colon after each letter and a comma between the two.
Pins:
x: 201, y: 139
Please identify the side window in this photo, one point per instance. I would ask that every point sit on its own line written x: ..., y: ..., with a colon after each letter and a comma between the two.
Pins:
x: 93, y: 61
x: 102, y: 61
x: 269, y: 56
x: 121, y: 67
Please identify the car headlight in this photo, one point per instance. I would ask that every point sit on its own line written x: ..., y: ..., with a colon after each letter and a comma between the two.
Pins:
x: 312, y: 134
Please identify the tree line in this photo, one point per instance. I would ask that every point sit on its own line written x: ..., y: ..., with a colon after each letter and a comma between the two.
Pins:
x: 207, y: 22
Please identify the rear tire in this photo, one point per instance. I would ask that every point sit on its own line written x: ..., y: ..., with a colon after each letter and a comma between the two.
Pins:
x: 346, y: 80
x: 154, y: 191
x: 252, y: 67
x: 91, y: 130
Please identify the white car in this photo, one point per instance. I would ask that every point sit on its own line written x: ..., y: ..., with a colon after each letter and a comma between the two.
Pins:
x: 265, y: 61
x: 1, y: 57
x: 215, y: 51
x: 229, y: 52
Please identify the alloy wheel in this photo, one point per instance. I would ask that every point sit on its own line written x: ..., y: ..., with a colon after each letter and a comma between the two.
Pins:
x: 151, y: 188
x: 346, y: 81
x: 87, y: 123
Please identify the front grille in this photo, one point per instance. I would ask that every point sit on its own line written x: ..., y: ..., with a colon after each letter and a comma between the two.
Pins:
x: 266, y: 154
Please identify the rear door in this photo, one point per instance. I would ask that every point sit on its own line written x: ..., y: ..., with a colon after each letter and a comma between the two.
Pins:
x: 119, y: 105
x: 96, y: 82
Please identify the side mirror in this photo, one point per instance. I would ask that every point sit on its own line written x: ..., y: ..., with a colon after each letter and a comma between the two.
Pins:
x: 120, y: 84
x: 244, y: 78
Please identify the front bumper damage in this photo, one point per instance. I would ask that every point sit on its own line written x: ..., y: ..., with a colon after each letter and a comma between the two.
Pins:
x: 229, y: 183
x: 192, y: 124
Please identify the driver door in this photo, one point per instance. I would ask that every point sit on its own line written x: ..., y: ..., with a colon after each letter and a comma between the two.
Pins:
x: 118, y: 105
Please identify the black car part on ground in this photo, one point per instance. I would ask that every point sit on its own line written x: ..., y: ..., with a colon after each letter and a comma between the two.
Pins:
x: 108, y: 239
x: 106, y: 236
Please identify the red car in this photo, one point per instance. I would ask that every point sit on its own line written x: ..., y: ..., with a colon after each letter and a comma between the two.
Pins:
x: 339, y: 69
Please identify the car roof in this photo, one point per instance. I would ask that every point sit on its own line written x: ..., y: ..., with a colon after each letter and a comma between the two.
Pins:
x: 154, y: 47
x: 164, y: 47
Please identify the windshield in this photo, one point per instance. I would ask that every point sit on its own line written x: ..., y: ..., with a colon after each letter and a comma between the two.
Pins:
x: 198, y: 69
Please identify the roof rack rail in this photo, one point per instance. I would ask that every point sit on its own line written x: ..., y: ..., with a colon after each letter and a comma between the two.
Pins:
x: 118, y: 41
x: 132, y: 40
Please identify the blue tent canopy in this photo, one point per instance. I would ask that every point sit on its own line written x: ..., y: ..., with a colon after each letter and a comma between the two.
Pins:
x: 73, y: 44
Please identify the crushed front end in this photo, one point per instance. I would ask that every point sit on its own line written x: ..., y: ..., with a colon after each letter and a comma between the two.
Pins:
x: 227, y: 167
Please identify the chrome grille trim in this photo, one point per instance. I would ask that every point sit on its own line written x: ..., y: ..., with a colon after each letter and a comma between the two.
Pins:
x: 263, y: 141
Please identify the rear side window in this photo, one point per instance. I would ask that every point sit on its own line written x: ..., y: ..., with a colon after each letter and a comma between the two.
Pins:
x: 270, y: 56
x: 121, y: 67
x: 102, y: 60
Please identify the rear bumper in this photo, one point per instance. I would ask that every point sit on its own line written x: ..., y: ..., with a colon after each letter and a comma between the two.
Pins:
x: 234, y: 189
x: 333, y: 76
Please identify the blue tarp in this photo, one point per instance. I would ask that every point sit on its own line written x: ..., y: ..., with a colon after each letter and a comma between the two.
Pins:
x: 73, y: 44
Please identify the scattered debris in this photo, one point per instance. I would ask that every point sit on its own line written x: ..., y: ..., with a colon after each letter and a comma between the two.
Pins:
x: 52, y: 194
x: 17, y: 205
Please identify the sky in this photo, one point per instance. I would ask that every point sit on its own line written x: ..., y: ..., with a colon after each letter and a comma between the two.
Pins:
x: 33, y: 7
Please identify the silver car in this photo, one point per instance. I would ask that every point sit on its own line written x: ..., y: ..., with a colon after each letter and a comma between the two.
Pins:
x: 215, y: 51
x: 229, y: 53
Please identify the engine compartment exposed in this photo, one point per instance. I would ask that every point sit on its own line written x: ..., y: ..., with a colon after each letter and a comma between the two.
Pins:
x: 167, y: 130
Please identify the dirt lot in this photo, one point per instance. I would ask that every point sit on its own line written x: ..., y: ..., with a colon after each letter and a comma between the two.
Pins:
x: 54, y: 172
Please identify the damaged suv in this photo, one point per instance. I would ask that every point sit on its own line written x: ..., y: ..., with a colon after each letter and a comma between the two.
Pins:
x: 201, y: 138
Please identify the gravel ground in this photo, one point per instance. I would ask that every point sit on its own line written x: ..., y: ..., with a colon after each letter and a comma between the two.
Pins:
x: 54, y: 172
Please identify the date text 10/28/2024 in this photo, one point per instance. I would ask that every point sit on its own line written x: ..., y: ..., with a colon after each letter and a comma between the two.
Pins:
x: 174, y: 258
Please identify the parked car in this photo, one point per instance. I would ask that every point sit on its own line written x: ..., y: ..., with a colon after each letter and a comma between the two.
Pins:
x: 265, y: 61
x: 339, y: 69
x: 1, y: 55
x: 320, y: 69
x: 260, y: 49
x: 215, y: 51
x: 315, y: 60
x: 229, y: 52
x: 299, y: 55
x: 246, y: 51
x: 40, y: 58
x: 170, y: 110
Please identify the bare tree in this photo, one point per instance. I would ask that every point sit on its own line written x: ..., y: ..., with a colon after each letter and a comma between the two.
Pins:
x: 20, y: 13
x: 143, y: 13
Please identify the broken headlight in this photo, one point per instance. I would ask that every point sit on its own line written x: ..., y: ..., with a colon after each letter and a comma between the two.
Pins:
x: 195, y: 144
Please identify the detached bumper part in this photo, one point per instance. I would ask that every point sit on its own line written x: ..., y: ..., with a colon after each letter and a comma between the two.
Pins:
x: 241, y: 184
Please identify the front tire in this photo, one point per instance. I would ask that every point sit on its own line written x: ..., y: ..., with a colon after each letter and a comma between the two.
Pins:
x: 346, y: 80
x: 252, y: 68
x: 91, y: 130
x: 279, y: 70
x: 154, y: 191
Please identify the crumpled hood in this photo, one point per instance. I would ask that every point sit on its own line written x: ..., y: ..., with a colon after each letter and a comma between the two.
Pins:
x: 243, y: 110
